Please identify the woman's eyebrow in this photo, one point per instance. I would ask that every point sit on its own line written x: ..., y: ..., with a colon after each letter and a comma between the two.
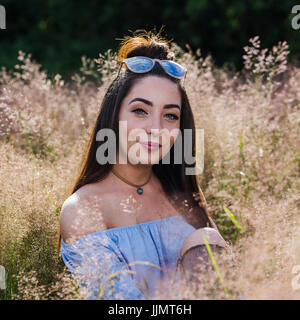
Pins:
x: 166, y: 106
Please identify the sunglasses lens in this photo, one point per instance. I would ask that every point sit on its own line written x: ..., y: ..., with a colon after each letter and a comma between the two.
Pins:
x: 139, y: 64
x: 173, y: 69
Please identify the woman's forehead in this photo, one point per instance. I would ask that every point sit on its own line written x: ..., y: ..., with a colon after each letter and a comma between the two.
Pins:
x: 155, y: 88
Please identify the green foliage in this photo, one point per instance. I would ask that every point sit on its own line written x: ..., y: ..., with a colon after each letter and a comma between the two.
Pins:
x: 59, y: 33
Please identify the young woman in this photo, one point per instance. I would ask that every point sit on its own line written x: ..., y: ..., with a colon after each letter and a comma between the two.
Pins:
x: 127, y: 223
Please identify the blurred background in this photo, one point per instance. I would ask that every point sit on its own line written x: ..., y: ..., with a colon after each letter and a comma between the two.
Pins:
x: 58, y: 32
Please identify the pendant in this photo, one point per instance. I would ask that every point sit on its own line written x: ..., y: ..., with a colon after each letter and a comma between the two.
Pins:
x: 139, y: 190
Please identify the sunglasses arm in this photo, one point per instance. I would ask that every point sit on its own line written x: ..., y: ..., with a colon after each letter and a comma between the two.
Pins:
x: 184, y: 77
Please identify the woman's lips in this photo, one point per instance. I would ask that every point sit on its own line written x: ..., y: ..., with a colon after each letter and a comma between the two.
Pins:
x: 151, y: 145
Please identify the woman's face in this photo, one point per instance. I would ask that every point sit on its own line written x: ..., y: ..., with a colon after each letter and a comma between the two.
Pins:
x: 152, y: 105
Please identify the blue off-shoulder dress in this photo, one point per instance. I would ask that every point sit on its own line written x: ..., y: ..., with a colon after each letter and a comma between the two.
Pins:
x: 135, y: 262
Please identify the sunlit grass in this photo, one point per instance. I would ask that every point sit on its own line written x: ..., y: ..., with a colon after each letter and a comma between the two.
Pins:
x: 251, y: 177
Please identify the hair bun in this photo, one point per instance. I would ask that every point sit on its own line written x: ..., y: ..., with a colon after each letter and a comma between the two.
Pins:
x: 144, y: 44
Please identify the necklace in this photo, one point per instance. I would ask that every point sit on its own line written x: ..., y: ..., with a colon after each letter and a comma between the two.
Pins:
x: 139, y: 189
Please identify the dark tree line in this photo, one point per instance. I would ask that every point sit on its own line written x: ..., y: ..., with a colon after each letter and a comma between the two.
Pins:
x: 59, y: 32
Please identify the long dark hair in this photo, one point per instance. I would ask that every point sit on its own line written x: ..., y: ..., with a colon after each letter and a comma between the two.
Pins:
x: 179, y: 187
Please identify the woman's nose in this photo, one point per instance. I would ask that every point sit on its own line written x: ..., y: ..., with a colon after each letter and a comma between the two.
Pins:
x: 154, y: 125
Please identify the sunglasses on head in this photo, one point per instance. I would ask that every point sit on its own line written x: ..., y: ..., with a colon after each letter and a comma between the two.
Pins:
x: 140, y: 64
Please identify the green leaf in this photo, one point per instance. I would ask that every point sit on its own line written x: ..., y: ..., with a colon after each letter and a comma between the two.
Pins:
x: 233, y: 219
x: 56, y: 210
x: 216, y: 267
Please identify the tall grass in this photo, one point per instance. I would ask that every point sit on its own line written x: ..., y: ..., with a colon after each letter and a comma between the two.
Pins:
x: 251, y: 122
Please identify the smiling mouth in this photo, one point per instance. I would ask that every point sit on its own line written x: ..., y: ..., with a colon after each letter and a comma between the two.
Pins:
x: 151, y: 145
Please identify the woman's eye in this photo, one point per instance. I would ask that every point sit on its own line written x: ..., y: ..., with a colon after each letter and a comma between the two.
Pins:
x: 172, y: 116
x: 139, y: 111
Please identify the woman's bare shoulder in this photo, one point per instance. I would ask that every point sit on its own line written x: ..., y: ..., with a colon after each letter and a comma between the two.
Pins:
x: 84, y: 212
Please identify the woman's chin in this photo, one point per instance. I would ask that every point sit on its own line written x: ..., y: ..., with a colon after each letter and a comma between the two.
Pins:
x: 152, y: 157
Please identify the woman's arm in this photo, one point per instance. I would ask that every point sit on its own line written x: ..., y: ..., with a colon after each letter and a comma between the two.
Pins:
x: 194, y: 258
x: 197, y: 238
x: 196, y: 262
x: 100, y: 269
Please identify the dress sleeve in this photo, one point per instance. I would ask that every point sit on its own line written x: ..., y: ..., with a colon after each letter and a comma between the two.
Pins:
x: 101, y: 270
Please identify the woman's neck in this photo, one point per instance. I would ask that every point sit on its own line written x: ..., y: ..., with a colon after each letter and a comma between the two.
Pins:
x: 137, y: 174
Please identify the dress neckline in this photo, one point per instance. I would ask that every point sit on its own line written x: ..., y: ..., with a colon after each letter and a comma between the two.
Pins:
x: 120, y: 228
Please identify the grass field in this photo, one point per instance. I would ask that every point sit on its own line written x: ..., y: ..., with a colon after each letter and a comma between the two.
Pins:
x: 251, y: 122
